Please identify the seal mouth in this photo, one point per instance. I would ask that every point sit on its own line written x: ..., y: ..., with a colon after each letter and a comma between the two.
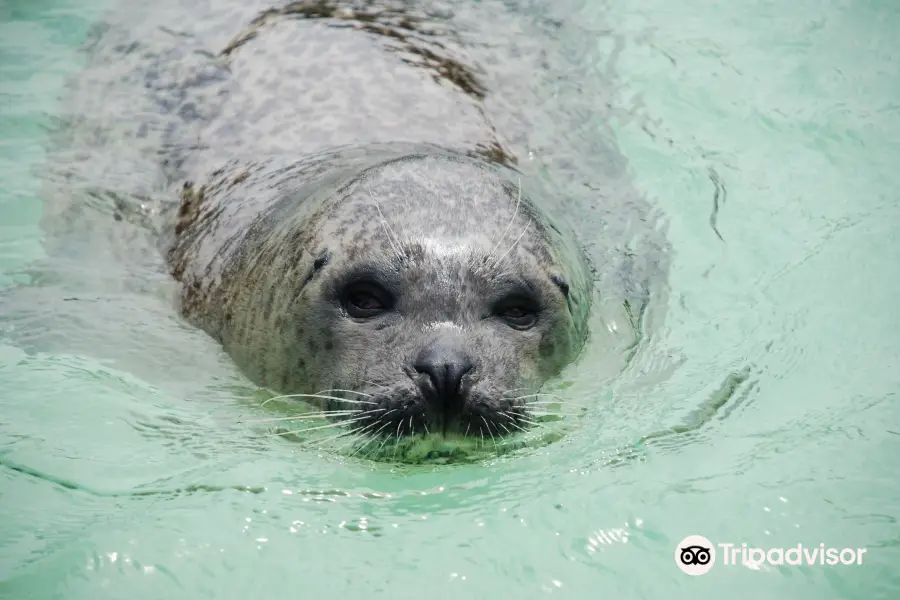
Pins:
x: 395, y: 424
x: 466, y: 423
x: 404, y: 412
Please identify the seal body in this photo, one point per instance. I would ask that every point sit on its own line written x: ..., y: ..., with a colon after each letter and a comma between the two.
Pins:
x: 352, y: 223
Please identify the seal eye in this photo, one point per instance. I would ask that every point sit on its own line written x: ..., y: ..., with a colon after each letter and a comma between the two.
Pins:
x: 518, y: 315
x: 365, y: 300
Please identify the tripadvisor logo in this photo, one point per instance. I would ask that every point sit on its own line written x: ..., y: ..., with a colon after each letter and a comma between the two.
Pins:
x: 696, y: 555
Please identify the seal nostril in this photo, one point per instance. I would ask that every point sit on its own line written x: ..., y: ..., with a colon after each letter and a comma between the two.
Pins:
x: 445, y: 365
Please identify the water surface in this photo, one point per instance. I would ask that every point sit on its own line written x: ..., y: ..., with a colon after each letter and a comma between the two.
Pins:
x: 767, y: 133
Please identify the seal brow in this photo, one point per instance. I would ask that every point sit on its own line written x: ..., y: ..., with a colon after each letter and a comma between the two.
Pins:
x: 508, y: 225
x: 496, y: 262
x: 391, y: 235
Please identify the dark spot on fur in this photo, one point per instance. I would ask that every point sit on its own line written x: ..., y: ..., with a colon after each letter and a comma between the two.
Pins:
x: 189, y: 209
x: 329, y: 345
x: 189, y: 112
x: 494, y: 152
x: 320, y: 262
x: 322, y: 259
x: 241, y: 178
x: 422, y: 47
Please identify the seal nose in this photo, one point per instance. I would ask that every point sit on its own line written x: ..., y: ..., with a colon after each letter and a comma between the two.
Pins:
x: 445, y: 364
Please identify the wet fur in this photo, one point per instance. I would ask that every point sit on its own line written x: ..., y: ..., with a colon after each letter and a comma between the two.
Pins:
x: 256, y: 116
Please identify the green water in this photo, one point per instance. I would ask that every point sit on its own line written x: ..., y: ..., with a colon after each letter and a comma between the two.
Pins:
x: 113, y: 487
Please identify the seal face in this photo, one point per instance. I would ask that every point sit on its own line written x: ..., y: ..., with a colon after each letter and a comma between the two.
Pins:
x: 424, y: 293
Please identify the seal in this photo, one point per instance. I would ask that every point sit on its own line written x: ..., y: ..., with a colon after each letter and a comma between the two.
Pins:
x: 414, y: 289
x: 353, y: 224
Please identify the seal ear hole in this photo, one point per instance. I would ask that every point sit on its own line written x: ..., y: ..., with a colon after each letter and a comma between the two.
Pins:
x: 366, y: 299
x: 561, y: 284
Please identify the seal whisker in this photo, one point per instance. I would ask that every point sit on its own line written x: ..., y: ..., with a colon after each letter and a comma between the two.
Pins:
x: 360, y: 433
x: 328, y: 426
x: 380, y: 429
x: 488, y: 425
x: 519, y: 427
x: 362, y: 430
x: 352, y: 439
x: 555, y: 413
x: 399, y: 424
x: 344, y: 423
x: 318, y: 415
x: 326, y: 440
x: 386, y: 438
x: 496, y: 262
x: 551, y: 412
x: 521, y: 397
x: 502, y: 394
x: 381, y: 385
x: 348, y: 401
x: 321, y: 396
x: 557, y: 398
x: 347, y: 391
x: 553, y: 400
x: 391, y: 235
x: 353, y: 435
x: 508, y: 225
x: 372, y: 437
x: 546, y: 405
x: 556, y: 416
x: 377, y: 450
x: 352, y: 454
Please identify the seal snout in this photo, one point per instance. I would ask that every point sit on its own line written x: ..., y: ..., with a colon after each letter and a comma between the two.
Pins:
x: 444, y: 363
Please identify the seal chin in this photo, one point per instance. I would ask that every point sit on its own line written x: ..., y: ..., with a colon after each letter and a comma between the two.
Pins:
x: 406, y: 410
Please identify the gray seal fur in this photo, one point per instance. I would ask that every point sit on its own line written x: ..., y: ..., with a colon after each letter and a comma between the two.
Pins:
x: 321, y: 145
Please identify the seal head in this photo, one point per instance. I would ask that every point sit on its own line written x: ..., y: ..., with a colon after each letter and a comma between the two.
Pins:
x: 422, y: 294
